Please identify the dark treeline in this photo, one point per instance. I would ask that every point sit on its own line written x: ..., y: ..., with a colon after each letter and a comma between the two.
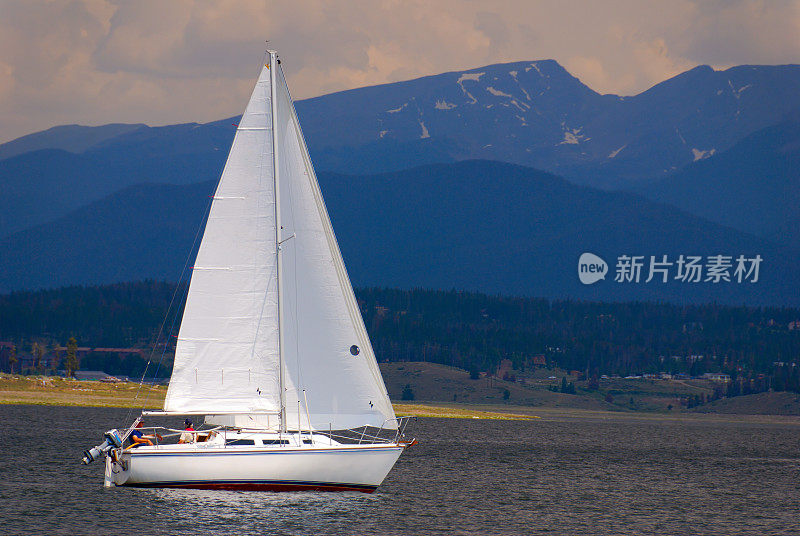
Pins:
x: 466, y: 330
x: 118, y: 315
x: 469, y: 329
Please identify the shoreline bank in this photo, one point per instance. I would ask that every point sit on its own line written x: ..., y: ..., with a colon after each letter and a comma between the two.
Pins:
x: 55, y: 391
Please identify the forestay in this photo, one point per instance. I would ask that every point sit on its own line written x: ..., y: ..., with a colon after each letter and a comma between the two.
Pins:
x: 227, y: 359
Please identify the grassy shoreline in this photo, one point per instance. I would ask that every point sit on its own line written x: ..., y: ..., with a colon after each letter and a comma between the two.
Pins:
x: 52, y: 391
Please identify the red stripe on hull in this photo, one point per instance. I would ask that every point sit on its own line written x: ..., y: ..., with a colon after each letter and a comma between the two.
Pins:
x: 258, y: 486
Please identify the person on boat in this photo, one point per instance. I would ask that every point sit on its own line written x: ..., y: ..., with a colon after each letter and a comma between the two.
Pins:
x: 187, y: 436
x: 138, y: 438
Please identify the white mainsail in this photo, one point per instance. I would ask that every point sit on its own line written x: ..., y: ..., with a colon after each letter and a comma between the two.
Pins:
x: 230, y: 362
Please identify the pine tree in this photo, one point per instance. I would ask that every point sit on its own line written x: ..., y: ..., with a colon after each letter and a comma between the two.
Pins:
x: 36, y: 350
x: 72, y: 363
x: 12, y: 359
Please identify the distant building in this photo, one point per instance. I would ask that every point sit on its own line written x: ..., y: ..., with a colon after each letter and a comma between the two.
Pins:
x: 120, y: 351
x: 539, y: 360
x: 505, y: 368
x: 665, y: 375
x: 716, y: 377
x: 82, y: 351
x: 95, y: 375
x: 794, y: 325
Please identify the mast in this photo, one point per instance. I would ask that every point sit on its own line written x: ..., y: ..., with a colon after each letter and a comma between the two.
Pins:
x: 273, y: 68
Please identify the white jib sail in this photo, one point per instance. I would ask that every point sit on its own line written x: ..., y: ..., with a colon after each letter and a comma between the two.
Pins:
x: 227, y: 359
x: 328, y: 358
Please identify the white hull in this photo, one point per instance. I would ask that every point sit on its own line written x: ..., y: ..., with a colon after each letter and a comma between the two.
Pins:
x: 272, y: 468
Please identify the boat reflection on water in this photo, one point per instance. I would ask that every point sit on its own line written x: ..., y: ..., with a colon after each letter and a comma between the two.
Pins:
x: 194, y: 509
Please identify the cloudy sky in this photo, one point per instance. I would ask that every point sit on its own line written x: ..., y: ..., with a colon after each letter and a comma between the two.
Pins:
x: 165, y: 61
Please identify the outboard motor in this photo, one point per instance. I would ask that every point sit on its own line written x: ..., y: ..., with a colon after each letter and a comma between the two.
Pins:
x: 113, y: 440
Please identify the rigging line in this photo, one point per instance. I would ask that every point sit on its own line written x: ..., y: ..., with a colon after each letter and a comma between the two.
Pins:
x: 172, y: 301
x: 166, y: 343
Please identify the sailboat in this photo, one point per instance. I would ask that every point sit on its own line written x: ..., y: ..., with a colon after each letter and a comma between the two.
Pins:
x: 272, y: 350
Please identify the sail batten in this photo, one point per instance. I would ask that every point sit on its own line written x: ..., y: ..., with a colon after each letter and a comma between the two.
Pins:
x: 256, y: 338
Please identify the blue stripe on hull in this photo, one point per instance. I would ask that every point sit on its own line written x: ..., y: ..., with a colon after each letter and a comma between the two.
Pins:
x: 233, y: 452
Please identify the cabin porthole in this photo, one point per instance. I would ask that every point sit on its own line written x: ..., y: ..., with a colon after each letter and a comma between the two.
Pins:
x: 354, y: 350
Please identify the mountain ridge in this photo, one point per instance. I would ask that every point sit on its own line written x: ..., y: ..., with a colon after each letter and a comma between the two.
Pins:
x: 414, y: 229
x: 545, y: 118
x: 525, y: 113
x: 754, y: 185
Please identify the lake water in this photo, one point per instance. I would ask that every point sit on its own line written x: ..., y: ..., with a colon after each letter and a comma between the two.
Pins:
x: 565, y: 477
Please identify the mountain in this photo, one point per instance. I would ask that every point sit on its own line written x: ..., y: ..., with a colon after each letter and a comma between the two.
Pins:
x: 531, y: 113
x: 721, y: 145
x: 537, y: 114
x: 141, y: 231
x: 72, y: 138
x: 45, y: 184
x: 468, y: 225
x: 754, y: 186
x: 693, y: 116
x: 525, y: 112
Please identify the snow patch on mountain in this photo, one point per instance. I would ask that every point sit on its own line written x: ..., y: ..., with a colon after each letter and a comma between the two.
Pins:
x: 683, y: 140
x: 738, y: 92
x: 469, y: 76
x: 514, y: 76
x: 613, y: 154
x: 497, y: 92
x: 572, y: 136
x: 425, y: 133
x: 396, y: 110
x: 702, y: 155
x: 444, y: 105
x: 534, y: 66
